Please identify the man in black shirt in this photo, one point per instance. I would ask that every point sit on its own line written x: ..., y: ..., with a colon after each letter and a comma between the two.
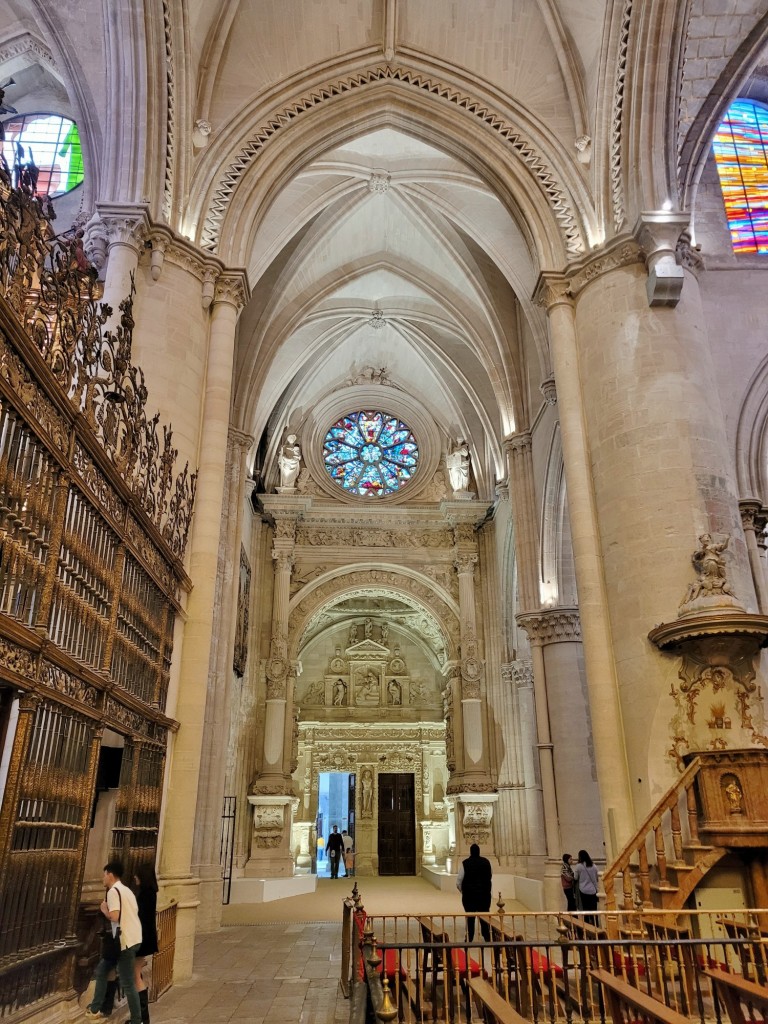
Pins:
x: 474, y: 882
x: 335, y: 848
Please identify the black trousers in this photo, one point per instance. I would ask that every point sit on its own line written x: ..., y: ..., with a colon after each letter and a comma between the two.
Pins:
x: 485, y: 928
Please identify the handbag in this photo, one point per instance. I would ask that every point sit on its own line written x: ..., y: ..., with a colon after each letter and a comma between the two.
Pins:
x: 110, y: 944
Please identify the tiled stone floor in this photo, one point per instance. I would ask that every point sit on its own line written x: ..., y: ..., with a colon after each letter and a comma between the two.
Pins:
x: 262, y: 974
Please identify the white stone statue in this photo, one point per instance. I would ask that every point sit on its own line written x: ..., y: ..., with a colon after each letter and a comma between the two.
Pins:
x: 457, y: 462
x: 289, y: 462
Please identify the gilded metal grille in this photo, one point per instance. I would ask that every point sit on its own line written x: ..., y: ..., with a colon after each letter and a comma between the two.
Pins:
x: 39, y: 888
x: 137, y: 814
x: 79, y: 617
x: 28, y: 478
x: 94, y: 521
x: 136, y: 656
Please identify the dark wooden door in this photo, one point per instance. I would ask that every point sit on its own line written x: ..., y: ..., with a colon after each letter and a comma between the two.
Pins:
x: 397, y: 825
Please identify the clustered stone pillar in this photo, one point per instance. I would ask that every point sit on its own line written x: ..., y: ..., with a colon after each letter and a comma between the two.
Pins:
x: 181, y: 803
x: 471, y: 785
x: 271, y: 792
x: 213, y: 766
x: 518, y: 449
x: 607, y: 726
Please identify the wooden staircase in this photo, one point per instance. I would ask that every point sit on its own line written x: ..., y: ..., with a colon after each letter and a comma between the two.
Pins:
x: 665, y: 860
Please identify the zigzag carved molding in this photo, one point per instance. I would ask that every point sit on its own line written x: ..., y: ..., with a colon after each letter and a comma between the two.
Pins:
x: 523, y: 149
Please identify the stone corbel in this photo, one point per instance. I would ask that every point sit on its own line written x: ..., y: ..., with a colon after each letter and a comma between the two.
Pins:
x: 658, y: 233
x: 157, y: 257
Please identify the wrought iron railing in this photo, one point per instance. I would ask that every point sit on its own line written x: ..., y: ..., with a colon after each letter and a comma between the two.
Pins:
x: 162, y: 961
x: 661, y: 966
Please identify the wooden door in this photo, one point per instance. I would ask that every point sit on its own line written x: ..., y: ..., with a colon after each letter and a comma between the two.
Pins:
x: 397, y: 824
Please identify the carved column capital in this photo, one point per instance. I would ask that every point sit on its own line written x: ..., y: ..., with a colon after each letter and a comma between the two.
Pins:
x: 549, y: 390
x: 464, y: 562
x: 658, y: 232
x: 125, y: 224
x: 231, y: 287
x: 753, y: 515
x: 552, y: 289
x: 238, y: 439
x: 518, y: 674
x: 552, y: 625
x: 519, y: 443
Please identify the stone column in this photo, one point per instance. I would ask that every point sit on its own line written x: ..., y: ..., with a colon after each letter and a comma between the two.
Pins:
x: 518, y: 450
x: 180, y: 805
x: 271, y: 791
x: 213, y: 767
x: 472, y: 786
x: 753, y: 520
x: 124, y: 228
x: 530, y: 622
x: 608, y: 727
x: 648, y: 469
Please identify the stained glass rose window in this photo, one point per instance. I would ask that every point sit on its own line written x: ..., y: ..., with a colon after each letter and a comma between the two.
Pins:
x: 370, y: 454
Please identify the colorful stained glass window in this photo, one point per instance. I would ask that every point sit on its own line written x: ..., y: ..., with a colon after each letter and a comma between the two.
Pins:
x: 52, y: 144
x: 741, y: 154
x: 370, y: 453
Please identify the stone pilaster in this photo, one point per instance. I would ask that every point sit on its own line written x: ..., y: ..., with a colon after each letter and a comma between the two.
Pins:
x: 271, y: 856
x: 195, y: 656
x: 220, y: 680
x: 472, y: 777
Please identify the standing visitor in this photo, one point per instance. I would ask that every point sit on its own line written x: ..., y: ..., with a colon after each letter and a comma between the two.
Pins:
x: 474, y: 882
x: 335, y: 850
x: 121, y: 910
x: 585, y: 874
x: 349, y: 857
x: 568, y: 883
x: 145, y: 881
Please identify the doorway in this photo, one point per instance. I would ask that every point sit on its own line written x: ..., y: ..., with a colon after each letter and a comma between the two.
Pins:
x: 397, y: 824
x: 335, y: 806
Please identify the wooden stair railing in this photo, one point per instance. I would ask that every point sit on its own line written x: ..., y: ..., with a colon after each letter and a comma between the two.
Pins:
x: 623, y: 866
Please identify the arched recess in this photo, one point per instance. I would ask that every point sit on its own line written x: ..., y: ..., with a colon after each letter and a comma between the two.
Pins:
x: 401, y: 583
x: 752, y: 438
x: 523, y: 164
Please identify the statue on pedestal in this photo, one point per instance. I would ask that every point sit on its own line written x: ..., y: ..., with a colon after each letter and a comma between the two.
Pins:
x: 289, y: 462
x: 709, y: 562
x: 457, y: 463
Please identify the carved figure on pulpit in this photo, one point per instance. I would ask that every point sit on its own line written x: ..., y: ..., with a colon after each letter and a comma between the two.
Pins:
x: 384, y: 632
x: 395, y: 693
x: 339, y: 693
x: 368, y: 627
x: 353, y: 633
x: 709, y: 562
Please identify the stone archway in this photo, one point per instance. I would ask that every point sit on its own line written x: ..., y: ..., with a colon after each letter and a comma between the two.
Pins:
x: 370, y: 702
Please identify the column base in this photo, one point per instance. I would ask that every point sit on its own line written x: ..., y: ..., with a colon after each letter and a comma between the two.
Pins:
x: 210, y: 892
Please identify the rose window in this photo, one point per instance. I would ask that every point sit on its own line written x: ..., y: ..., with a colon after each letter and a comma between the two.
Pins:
x: 370, y: 454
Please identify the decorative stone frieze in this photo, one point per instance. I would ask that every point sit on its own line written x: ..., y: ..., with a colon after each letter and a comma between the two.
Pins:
x: 518, y: 673
x: 552, y: 625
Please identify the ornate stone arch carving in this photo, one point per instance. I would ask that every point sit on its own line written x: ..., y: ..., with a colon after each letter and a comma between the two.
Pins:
x: 568, y: 211
x: 405, y: 585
